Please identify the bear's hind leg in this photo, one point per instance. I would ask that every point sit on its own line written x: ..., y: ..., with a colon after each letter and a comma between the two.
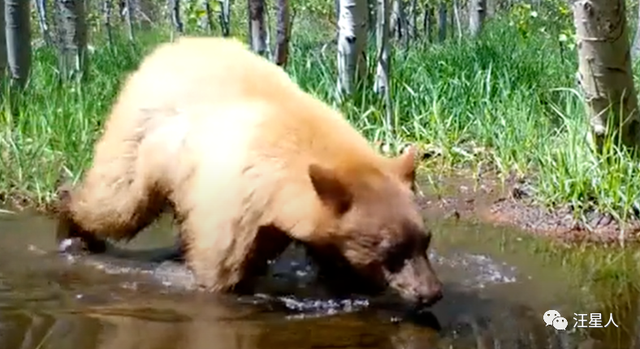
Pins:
x: 100, y: 209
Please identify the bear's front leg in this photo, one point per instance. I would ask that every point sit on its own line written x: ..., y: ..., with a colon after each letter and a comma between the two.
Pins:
x: 233, y: 260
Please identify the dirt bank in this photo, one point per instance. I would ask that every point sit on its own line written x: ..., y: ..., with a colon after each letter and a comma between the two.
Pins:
x: 509, y: 202
x: 18, y: 201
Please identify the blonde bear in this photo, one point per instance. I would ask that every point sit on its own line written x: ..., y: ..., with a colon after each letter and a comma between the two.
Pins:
x: 248, y: 162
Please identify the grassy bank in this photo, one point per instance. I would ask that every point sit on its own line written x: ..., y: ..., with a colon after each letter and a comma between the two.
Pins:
x: 505, y: 101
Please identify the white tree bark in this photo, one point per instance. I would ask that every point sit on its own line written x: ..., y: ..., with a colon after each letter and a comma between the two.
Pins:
x: 352, y: 40
x: 382, y: 42
x: 381, y: 84
x: 403, y: 22
x: 225, y: 17
x: 283, y: 33
x: 635, y: 48
x: 477, y: 13
x: 176, y: 16
x: 605, y: 70
x: 257, y: 27
x: 393, y: 18
x: 398, y: 20
x: 18, y: 39
x: 456, y: 8
x: 72, y: 37
x: 41, y: 11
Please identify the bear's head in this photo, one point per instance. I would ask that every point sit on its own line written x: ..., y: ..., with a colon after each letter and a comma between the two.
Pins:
x: 371, y: 236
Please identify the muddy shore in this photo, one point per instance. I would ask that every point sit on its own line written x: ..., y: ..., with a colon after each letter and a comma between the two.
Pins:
x: 510, y: 202
x: 487, y: 199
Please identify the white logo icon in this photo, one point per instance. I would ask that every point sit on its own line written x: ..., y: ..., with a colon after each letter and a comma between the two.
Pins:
x: 560, y: 323
x: 553, y: 318
x: 549, y: 316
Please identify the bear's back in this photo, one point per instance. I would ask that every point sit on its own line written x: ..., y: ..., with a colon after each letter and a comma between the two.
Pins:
x: 218, y: 73
x: 197, y: 70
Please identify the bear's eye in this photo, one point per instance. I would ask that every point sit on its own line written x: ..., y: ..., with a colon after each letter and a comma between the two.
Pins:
x: 396, y: 256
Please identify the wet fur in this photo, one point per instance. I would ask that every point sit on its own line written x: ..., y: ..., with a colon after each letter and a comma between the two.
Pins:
x: 247, y: 162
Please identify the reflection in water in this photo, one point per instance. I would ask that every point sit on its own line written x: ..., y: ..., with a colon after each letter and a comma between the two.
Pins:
x: 214, y: 326
x: 622, y: 305
x: 204, y: 324
x: 101, y: 303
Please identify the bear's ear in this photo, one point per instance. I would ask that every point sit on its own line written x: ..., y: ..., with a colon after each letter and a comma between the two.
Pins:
x: 405, y: 165
x: 330, y: 189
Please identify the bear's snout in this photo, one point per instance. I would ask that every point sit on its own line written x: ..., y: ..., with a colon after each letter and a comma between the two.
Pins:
x: 416, y: 283
x: 420, y: 294
x: 430, y: 297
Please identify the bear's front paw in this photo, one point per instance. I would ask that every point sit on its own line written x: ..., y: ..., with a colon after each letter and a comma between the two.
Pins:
x: 76, y: 245
x: 72, y: 246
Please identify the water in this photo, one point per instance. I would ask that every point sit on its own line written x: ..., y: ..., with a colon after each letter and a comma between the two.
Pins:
x: 496, y: 291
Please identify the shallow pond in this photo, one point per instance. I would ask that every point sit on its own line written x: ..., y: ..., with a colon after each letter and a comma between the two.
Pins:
x: 496, y: 292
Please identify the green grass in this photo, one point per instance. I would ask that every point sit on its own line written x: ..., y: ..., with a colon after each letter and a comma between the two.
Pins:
x: 509, y: 96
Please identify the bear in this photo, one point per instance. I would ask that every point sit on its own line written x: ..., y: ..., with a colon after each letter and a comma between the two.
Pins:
x: 248, y: 162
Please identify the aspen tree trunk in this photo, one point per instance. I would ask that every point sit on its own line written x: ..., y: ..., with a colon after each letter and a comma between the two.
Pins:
x: 3, y: 42
x: 283, y: 32
x: 41, y: 11
x: 143, y: 12
x: 635, y: 48
x: 18, y: 39
x: 491, y: 8
x: 107, y: 10
x: 398, y: 20
x: 427, y: 22
x: 225, y: 15
x: 381, y: 84
x: 175, y: 16
x: 455, y: 18
x: 209, y: 13
x: 394, y: 19
x: 477, y: 13
x: 382, y: 42
x: 605, y: 70
x: 452, y: 18
x: 267, y: 31
x: 403, y: 22
x: 257, y: 30
x: 442, y: 21
x: 129, y: 18
x: 352, y: 41
x: 72, y: 36
x: 372, y: 8
x: 413, y: 23
x: 122, y: 6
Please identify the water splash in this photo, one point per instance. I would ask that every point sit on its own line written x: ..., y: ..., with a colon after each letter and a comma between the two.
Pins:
x: 478, y: 270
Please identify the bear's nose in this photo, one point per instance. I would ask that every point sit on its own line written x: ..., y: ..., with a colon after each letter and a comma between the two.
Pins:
x: 431, y: 299
x: 427, y: 300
